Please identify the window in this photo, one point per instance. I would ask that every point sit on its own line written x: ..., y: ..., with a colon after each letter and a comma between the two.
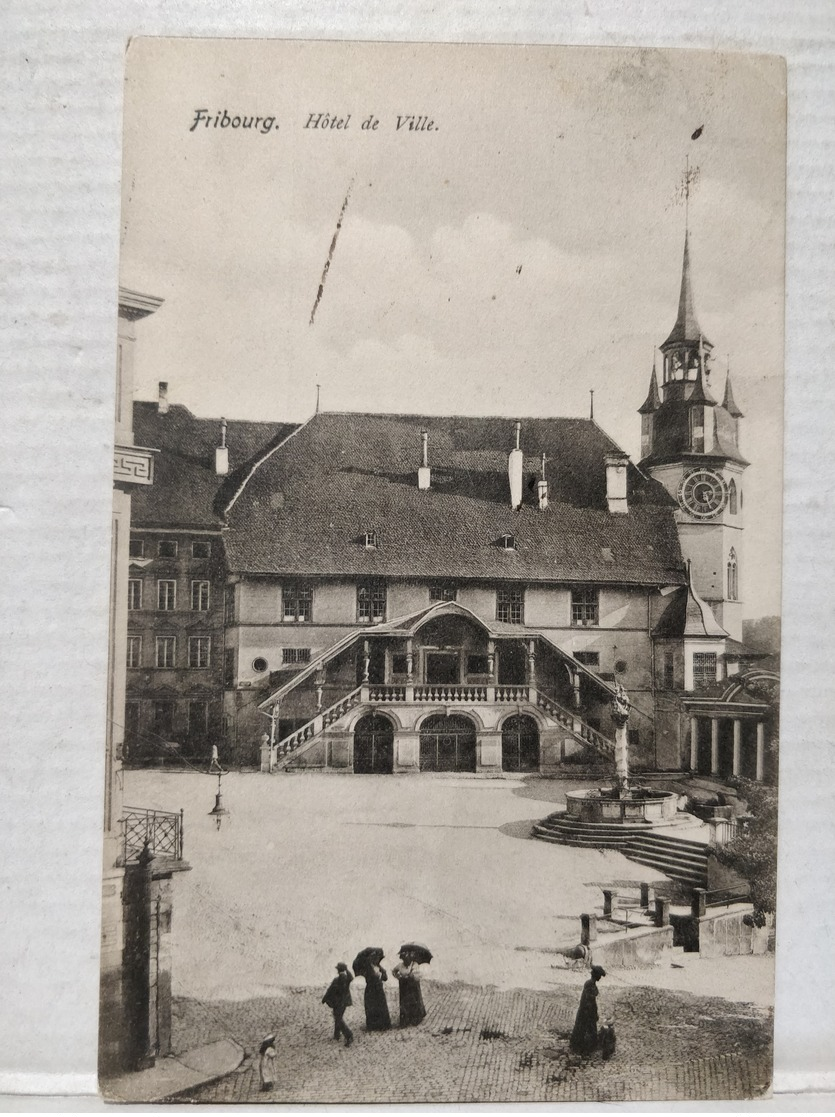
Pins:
x: 589, y: 659
x: 167, y: 548
x: 733, y: 583
x: 295, y: 655
x: 166, y: 651
x: 163, y: 720
x: 478, y: 665
x: 201, y: 549
x: 732, y: 497
x: 507, y: 543
x: 198, y: 719
x: 669, y: 671
x: 371, y: 601
x: 704, y: 669
x: 134, y: 593
x: 443, y: 592
x: 166, y: 595
x: 200, y: 596
x: 137, y: 548
x: 399, y: 665
x: 134, y: 651
x: 584, y: 607
x: 260, y: 664
x: 297, y: 602
x: 510, y: 605
x: 199, y: 651
x: 371, y: 540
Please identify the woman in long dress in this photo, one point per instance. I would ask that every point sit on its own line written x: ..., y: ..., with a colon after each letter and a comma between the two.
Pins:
x: 407, y: 972
x: 584, y: 1036
x: 377, y: 1018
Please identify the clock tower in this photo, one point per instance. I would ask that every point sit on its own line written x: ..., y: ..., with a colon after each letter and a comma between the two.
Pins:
x: 690, y: 444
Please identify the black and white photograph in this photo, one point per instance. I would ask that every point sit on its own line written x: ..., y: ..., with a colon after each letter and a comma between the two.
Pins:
x: 443, y: 704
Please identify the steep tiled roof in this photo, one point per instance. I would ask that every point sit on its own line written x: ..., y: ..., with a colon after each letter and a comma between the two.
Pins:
x: 305, y: 509
x: 186, y: 490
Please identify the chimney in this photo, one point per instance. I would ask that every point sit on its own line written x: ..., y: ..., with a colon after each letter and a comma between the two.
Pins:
x: 424, y: 472
x: 222, y: 452
x: 162, y: 399
x: 616, y: 462
x: 515, y: 461
x: 542, y: 486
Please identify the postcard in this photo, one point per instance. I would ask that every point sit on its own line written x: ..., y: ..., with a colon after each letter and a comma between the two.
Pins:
x: 444, y: 638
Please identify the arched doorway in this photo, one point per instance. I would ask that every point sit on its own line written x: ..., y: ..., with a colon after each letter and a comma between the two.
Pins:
x: 447, y: 744
x: 520, y: 744
x: 373, y: 745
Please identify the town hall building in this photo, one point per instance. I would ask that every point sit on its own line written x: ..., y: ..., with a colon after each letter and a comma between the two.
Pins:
x: 414, y: 593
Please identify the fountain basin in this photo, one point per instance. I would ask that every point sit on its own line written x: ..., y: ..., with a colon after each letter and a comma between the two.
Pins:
x: 611, y: 805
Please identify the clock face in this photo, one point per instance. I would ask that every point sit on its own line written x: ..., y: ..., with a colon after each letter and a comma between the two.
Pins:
x: 702, y: 493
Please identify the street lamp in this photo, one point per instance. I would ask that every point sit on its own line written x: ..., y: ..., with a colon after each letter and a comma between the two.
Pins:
x: 218, y: 811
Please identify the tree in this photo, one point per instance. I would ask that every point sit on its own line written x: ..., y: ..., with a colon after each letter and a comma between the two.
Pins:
x: 753, y: 853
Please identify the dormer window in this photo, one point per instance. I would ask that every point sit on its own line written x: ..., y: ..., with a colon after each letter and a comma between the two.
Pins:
x: 371, y: 541
x: 507, y: 543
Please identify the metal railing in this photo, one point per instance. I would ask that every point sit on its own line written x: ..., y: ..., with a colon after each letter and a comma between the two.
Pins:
x: 160, y: 831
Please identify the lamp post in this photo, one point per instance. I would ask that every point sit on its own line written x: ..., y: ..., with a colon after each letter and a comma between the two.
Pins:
x: 218, y: 811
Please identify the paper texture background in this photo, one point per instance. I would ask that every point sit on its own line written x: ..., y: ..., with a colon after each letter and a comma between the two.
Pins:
x: 61, y: 131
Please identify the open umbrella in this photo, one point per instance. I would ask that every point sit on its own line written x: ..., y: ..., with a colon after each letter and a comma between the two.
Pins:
x: 367, y: 956
x: 422, y: 954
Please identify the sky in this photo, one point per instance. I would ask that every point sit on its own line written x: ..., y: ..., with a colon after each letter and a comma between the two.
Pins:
x: 523, y: 251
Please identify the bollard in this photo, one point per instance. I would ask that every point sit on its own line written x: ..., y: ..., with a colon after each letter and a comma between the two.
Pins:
x: 662, y: 912
x: 588, y: 929
x: 645, y: 894
x: 698, y: 905
x: 607, y: 901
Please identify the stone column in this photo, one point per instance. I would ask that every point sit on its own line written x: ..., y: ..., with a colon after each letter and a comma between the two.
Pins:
x: 620, y: 716
x: 588, y: 929
x: 410, y: 660
x: 714, y: 746
x: 489, y: 751
x: 366, y: 660
x: 737, y: 747
x: 266, y: 753
x: 760, y: 751
x: 662, y: 912
x: 694, y: 744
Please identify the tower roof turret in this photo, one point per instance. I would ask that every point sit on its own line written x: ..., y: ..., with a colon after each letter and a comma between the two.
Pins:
x: 729, y: 403
x: 687, y: 329
x: 653, y: 400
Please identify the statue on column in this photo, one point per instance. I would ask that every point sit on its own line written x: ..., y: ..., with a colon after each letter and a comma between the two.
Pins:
x: 621, y: 707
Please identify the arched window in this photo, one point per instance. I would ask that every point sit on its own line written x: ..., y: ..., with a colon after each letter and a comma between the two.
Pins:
x: 733, y: 576
x: 732, y: 497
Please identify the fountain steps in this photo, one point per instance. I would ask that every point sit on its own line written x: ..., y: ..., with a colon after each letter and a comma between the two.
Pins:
x: 679, y: 858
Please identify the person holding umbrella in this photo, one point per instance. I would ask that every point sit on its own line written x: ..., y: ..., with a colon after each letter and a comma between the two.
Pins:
x: 407, y: 972
x: 367, y: 964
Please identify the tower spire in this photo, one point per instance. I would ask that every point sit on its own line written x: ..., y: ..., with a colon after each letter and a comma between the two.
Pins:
x: 653, y: 400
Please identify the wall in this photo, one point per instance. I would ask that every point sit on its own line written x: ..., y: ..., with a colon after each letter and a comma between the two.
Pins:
x: 636, y: 949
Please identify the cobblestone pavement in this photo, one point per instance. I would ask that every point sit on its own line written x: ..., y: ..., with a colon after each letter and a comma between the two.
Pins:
x: 486, y: 1045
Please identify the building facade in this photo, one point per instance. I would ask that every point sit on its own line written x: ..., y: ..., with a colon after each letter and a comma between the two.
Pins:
x: 421, y: 593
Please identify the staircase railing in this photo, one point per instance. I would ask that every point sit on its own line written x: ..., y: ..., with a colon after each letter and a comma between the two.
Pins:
x: 579, y: 729
x: 293, y: 742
